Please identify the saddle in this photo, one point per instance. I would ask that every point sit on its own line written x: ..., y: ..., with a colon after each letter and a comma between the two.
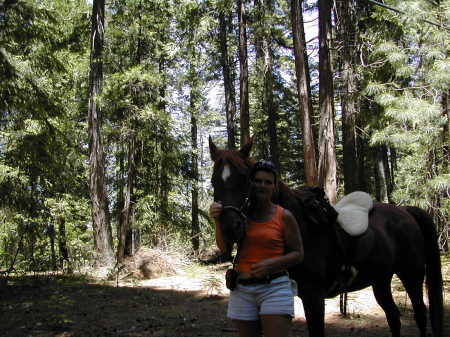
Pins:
x: 350, y: 219
x: 353, y: 212
x: 355, y: 239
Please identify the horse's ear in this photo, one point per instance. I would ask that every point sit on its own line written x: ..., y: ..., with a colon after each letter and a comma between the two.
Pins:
x: 246, y: 148
x: 212, y: 149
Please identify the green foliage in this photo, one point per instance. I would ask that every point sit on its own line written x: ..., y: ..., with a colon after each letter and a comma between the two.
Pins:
x: 411, y: 100
x: 161, y: 59
x: 41, y: 136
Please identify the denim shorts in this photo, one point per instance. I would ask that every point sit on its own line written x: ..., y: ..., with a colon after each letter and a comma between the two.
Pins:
x: 248, y: 302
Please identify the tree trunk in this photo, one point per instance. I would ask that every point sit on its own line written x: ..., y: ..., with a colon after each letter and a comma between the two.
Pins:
x: 62, y: 242
x: 387, y: 172
x: 230, y: 95
x: 127, y: 231
x: 120, y: 192
x: 99, y: 203
x: 347, y: 30
x: 377, y: 181
x: 382, y: 183
x: 127, y: 211
x: 268, y: 102
x: 260, y: 112
x: 243, y: 76
x: 164, y: 183
x: 364, y: 152
x: 327, y: 155
x: 258, y: 17
x: 194, y: 97
x: 442, y: 224
x: 51, y: 233
x: 303, y: 92
x: 445, y: 130
x: 392, y: 166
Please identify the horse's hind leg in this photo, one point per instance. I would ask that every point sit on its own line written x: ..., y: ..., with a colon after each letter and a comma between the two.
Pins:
x: 383, y: 295
x: 413, y: 282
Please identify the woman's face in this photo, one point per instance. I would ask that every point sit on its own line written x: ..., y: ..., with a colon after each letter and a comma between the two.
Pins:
x: 263, y: 185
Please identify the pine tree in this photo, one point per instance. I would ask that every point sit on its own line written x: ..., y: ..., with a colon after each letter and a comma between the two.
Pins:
x: 99, y: 199
x: 409, y: 77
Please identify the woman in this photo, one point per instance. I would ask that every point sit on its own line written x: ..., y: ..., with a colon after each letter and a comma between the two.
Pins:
x: 263, y: 302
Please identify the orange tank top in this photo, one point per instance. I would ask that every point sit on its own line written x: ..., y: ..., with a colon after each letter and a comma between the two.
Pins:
x: 263, y: 240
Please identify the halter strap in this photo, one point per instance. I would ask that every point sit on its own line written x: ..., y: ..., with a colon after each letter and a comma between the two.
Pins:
x: 239, y: 210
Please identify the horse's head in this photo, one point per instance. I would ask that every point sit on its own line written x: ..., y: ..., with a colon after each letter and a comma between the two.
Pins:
x: 230, y: 183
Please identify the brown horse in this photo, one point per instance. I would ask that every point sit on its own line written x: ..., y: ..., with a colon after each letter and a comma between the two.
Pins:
x: 399, y: 240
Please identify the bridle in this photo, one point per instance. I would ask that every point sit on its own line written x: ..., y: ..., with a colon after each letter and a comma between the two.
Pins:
x: 238, y: 210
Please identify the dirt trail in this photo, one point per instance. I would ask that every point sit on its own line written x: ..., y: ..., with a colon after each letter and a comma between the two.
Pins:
x: 190, y: 302
x: 365, y: 319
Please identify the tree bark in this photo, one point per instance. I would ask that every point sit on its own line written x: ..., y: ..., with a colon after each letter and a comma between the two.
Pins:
x: 327, y: 154
x: 387, y: 172
x: 304, y: 94
x: 260, y: 112
x: 127, y: 246
x: 445, y: 130
x: 443, y: 226
x: 194, y: 97
x: 243, y: 76
x: 365, y: 156
x: 127, y: 211
x: 51, y: 233
x: 347, y: 31
x: 62, y: 242
x: 382, y: 183
x: 268, y: 102
x: 392, y: 167
x: 120, y: 192
x: 230, y: 95
x: 164, y: 174
x: 258, y: 17
x: 99, y: 202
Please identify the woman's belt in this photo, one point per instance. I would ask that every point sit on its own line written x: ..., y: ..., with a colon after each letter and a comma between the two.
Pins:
x: 261, y: 280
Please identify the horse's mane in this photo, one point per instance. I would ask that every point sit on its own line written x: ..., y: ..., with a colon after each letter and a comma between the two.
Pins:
x: 307, y: 204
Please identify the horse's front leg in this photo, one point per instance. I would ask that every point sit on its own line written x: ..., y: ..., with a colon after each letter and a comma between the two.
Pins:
x: 314, y: 307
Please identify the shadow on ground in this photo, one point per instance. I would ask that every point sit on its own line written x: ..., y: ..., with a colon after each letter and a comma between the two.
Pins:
x: 70, y: 306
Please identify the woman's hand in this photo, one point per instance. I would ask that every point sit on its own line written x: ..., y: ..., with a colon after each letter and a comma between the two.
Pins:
x: 263, y: 268
x: 215, y: 209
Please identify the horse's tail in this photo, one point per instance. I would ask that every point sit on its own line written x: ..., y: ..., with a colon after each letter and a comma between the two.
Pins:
x: 433, y: 268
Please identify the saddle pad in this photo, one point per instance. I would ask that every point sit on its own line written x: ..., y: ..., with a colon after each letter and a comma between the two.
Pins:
x: 353, y: 212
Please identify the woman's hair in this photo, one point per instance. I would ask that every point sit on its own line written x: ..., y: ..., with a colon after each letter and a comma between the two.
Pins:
x: 263, y: 165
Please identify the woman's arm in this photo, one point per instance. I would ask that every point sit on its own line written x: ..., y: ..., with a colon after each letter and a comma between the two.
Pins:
x: 214, y: 212
x: 292, y: 236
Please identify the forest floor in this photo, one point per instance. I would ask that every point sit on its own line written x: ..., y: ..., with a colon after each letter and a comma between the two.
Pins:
x: 181, y: 299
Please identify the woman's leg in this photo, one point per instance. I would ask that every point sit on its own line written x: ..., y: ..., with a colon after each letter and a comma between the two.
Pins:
x: 276, y: 325
x: 248, y: 328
